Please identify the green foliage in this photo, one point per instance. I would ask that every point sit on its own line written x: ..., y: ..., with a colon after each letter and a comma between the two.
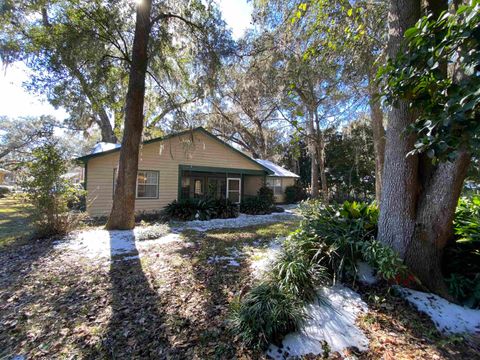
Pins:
x: 462, y: 258
x: 297, y: 275
x: 265, y: 194
x: 200, y: 209
x: 49, y: 192
x: 4, y: 191
x: 447, y: 105
x: 338, y: 236
x: 254, y: 205
x: 295, y: 193
x: 351, y: 162
x: 264, y: 314
x: 258, y: 205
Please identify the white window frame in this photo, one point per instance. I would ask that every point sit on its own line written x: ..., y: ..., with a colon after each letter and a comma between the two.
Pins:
x: 115, y: 172
x: 273, y: 187
x: 239, y: 189
x: 157, y: 185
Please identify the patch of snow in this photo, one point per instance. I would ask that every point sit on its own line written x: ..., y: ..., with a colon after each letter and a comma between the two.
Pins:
x: 234, y: 254
x: 448, y: 318
x: 104, y: 243
x: 242, y: 220
x: 263, y: 260
x: 366, y: 273
x: 331, y: 319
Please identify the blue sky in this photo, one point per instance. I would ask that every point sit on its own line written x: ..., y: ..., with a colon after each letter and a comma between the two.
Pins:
x: 15, y: 101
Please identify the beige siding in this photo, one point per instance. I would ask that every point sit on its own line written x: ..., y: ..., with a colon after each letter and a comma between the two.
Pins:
x: 285, y: 182
x: 165, y: 157
x: 251, y: 184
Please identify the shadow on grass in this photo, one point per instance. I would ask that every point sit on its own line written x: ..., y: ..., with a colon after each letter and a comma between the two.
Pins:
x: 136, y: 327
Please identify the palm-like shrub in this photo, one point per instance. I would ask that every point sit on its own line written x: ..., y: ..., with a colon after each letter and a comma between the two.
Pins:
x: 200, y: 209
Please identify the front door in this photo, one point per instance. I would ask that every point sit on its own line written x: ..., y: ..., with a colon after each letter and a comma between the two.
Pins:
x: 234, y: 192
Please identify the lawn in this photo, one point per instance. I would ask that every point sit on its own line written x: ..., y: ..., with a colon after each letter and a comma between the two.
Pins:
x: 15, y: 221
x: 167, y: 301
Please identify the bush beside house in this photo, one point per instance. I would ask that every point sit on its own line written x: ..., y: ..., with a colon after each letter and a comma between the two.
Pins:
x: 295, y: 193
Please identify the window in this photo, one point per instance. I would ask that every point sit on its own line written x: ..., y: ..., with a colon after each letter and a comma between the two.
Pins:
x: 185, y: 187
x: 147, y: 184
x: 197, y: 188
x: 276, y: 185
x: 233, y: 190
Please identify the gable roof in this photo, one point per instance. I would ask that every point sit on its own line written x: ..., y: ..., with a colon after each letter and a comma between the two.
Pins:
x: 277, y: 170
x: 199, y: 129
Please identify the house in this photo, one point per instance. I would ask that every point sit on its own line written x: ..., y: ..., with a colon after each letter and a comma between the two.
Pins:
x: 188, y: 164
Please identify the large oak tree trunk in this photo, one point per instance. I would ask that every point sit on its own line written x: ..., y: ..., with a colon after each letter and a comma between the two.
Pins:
x: 418, y: 198
x: 400, y: 179
x: 433, y: 226
x: 378, y: 130
x: 122, y: 215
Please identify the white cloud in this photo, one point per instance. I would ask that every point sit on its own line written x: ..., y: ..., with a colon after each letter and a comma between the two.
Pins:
x: 237, y: 14
x: 15, y: 101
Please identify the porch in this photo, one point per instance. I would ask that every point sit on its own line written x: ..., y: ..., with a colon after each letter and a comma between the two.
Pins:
x: 197, y: 182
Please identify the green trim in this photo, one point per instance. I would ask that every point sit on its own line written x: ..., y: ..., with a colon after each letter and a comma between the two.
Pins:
x: 85, y: 176
x: 179, y: 193
x: 201, y: 129
x: 221, y: 170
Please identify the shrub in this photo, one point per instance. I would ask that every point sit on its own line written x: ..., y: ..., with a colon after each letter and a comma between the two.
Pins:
x: 295, y: 193
x: 225, y: 209
x: 462, y: 270
x: 50, y: 193
x: 254, y: 205
x: 297, y: 275
x: 182, y: 210
x: 264, y: 314
x: 341, y: 235
x: 4, y: 191
x: 199, y: 209
x: 266, y: 195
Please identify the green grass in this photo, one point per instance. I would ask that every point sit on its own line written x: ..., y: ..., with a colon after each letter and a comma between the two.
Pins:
x: 15, y: 221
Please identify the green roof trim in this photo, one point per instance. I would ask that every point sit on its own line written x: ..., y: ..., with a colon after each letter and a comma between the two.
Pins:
x: 166, y: 137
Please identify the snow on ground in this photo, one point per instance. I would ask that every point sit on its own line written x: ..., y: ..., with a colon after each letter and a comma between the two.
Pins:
x: 263, y: 258
x: 448, y: 318
x: 235, y: 254
x: 100, y: 243
x: 242, y: 220
x: 366, y: 273
x: 331, y: 319
x: 105, y: 244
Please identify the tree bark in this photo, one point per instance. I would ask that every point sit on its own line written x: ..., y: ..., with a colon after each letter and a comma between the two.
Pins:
x: 312, y: 149
x: 433, y: 226
x: 321, y: 165
x: 122, y: 215
x: 400, y: 179
x: 378, y: 130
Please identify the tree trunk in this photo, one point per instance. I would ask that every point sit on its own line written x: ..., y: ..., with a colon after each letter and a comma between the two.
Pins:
x: 321, y: 165
x: 312, y: 149
x: 378, y: 130
x: 400, y: 179
x: 122, y: 215
x: 433, y: 227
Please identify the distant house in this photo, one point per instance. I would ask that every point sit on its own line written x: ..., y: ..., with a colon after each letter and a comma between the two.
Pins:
x: 188, y: 164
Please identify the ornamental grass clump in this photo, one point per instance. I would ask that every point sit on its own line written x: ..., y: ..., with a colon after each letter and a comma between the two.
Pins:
x: 265, y: 314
